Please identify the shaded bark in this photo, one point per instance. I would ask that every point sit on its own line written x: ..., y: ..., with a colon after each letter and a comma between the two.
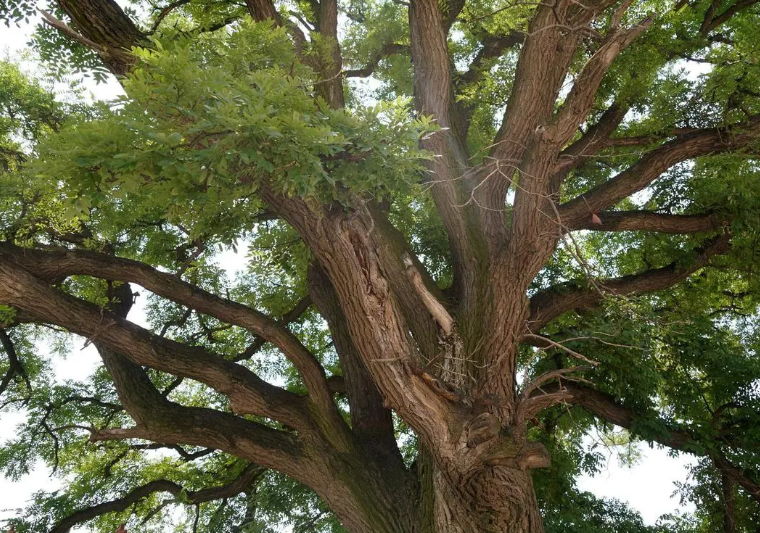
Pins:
x: 495, y: 500
x: 261, y: 10
x: 446, y: 367
x: 551, y: 303
x: 371, y: 421
x: 104, y: 23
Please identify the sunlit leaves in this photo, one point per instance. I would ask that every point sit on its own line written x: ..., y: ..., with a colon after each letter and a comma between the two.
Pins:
x: 209, y: 120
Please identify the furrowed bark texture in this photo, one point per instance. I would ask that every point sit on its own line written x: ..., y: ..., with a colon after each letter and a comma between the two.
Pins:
x: 446, y: 365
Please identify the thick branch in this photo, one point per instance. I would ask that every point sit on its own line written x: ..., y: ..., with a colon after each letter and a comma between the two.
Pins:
x: 371, y: 421
x: 450, y: 184
x: 581, y: 97
x: 649, y: 221
x: 590, y: 143
x: 551, y: 303
x: 351, y: 248
x: 60, y: 264
x: 261, y: 10
x: 247, y: 392
x: 553, y: 37
x: 386, y: 51
x: 711, y: 22
x: 606, y: 407
x: 247, y: 477
x: 743, y: 478
x: 415, y: 294
x: 729, y: 511
x: 654, y: 163
x: 291, y: 316
x: 162, y: 421
x: 104, y: 24
x: 330, y: 87
x: 15, y: 368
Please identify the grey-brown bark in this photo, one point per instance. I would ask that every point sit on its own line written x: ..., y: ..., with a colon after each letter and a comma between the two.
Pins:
x: 447, y: 367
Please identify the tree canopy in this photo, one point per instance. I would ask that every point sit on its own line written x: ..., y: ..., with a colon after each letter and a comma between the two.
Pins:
x: 475, y: 231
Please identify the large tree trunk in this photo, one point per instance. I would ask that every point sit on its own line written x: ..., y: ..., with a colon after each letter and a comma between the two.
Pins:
x: 447, y: 367
x: 497, y: 499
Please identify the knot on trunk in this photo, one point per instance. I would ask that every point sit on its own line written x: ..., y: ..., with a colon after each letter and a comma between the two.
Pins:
x: 482, y: 428
x: 528, y: 456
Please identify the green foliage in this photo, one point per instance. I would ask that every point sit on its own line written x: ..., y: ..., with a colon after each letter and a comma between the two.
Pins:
x: 172, y: 175
x: 207, y: 121
x: 586, y: 514
x: 16, y: 11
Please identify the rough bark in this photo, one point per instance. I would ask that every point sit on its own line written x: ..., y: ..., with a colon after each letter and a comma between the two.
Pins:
x: 446, y: 366
x: 495, y: 500
x: 105, y: 24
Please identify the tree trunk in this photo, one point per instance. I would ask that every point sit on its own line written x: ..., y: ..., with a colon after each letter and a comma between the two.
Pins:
x: 497, y: 499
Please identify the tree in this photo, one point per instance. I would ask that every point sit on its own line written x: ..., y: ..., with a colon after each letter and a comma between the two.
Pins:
x: 536, y: 220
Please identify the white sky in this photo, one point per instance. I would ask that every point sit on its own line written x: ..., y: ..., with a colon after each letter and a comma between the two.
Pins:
x: 648, y: 486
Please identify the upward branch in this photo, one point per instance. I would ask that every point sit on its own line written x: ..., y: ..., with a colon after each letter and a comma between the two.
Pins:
x: 449, y: 180
x: 581, y: 97
x: 653, y: 164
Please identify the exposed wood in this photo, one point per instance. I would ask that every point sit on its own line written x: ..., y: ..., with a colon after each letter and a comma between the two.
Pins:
x: 438, y: 312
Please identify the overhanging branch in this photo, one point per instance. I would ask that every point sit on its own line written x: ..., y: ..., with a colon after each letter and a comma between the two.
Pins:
x: 385, y: 52
x: 650, y: 221
x: 247, y: 392
x: 247, y: 477
x: 551, y: 303
x: 162, y: 421
x: 653, y: 164
x: 492, y: 47
x: 289, y: 317
x: 712, y: 21
x: 60, y: 264
x: 607, y: 408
